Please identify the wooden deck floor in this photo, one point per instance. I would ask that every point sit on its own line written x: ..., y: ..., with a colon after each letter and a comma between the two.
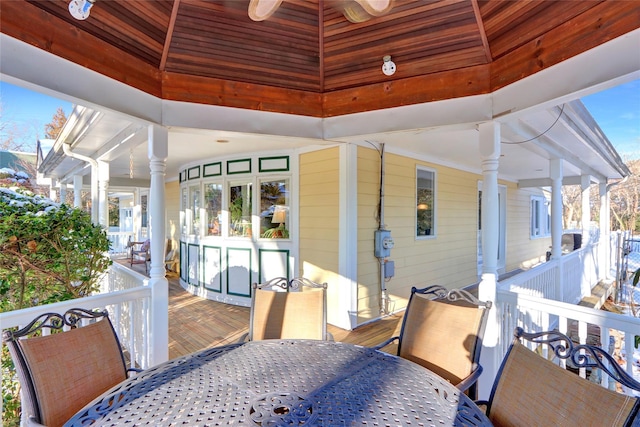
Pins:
x: 196, y: 323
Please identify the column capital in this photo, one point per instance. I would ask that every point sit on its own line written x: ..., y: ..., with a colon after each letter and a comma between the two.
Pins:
x: 158, y: 148
x: 489, y: 139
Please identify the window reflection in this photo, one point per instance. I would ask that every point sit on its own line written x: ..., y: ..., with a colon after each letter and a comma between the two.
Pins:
x: 274, y: 209
x: 424, y: 203
x: 213, y: 208
x: 194, y: 192
x: 240, y: 210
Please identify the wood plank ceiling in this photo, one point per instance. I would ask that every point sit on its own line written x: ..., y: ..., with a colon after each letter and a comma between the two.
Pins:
x: 307, y: 58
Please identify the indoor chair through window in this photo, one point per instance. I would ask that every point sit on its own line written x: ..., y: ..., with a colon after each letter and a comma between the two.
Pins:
x: 294, y: 309
x: 64, y: 362
x: 533, y: 390
x: 442, y: 330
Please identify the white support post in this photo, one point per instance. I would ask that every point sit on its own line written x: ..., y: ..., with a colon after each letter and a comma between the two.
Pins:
x: 490, y: 154
x: 63, y: 192
x: 158, y: 147
x: 77, y: 191
x: 95, y: 203
x: 555, y: 169
x: 52, y: 190
x: 585, y: 185
x: 489, y: 145
x: 103, y: 194
x: 604, y: 246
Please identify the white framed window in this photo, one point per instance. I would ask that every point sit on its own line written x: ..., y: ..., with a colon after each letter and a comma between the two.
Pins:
x: 195, y: 203
x: 425, y: 202
x: 540, y: 217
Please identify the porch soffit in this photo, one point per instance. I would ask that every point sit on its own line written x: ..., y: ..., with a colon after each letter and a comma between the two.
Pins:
x: 402, y: 117
x: 307, y: 59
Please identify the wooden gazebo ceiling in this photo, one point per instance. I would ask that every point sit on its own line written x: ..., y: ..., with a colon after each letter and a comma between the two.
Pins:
x: 307, y: 58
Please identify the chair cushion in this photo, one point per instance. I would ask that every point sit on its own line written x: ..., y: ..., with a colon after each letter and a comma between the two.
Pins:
x: 533, y: 391
x: 284, y: 315
x: 441, y: 336
x: 72, y: 368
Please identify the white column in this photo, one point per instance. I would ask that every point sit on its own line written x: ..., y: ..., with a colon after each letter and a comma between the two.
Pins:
x: 605, y: 232
x: 53, y: 195
x: 77, y: 191
x: 556, y: 172
x: 490, y: 154
x: 555, y: 169
x: 103, y: 194
x: 95, y: 202
x: 158, y: 147
x: 489, y: 145
x: 585, y: 185
x: 63, y: 192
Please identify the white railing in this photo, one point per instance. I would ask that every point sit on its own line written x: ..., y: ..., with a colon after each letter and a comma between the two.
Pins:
x: 132, y: 305
x: 567, y: 279
x: 118, y: 242
x: 535, y: 314
x: 128, y: 310
x: 121, y: 277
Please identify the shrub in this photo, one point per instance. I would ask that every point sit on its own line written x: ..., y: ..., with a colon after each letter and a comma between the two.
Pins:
x: 49, y: 252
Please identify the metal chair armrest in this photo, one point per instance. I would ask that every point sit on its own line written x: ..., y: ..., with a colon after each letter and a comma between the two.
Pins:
x: 470, y: 379
x: 134, y: 370
x: 386, y: 343
x: 244, y: 337
x: 483, y: 405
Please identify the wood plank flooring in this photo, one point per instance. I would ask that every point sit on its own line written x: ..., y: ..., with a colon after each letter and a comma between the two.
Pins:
x: 196, y: 323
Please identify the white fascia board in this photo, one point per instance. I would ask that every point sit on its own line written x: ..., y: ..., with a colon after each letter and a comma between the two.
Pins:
x: 35, y: 69
x: 604, y: 66
x: 213, y: 117
x: 471, y: 109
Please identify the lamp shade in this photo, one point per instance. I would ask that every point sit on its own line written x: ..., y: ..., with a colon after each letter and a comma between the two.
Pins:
x: 279, y: 215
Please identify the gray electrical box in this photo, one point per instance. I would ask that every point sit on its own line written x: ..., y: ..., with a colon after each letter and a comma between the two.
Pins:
x: 383, y: 243
x: 389, y: 269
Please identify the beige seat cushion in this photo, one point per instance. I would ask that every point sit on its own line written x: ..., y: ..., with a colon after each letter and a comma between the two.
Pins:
x: 441, y: 337
x: 533, y: 391
x: 72, y: 368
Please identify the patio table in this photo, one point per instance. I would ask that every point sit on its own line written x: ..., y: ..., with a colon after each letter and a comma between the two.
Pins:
x: 284, y: 383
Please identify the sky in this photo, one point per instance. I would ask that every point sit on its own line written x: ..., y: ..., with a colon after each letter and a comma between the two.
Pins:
x: 616, y: 110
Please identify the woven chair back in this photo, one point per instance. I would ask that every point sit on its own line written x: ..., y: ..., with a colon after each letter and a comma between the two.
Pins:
x: 62, y: 372
x: 288, y: 315
x: 531, y: 390
x: 442, y: 336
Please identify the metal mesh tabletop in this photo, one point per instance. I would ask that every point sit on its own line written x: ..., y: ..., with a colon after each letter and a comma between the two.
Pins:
x: 284, y: 383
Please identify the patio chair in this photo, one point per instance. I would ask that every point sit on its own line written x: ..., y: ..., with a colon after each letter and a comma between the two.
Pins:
x: 139, y: 253
x: 532, y: 390
x: 62, y: 371
x: 294, y: 309
x: 442, y: 330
